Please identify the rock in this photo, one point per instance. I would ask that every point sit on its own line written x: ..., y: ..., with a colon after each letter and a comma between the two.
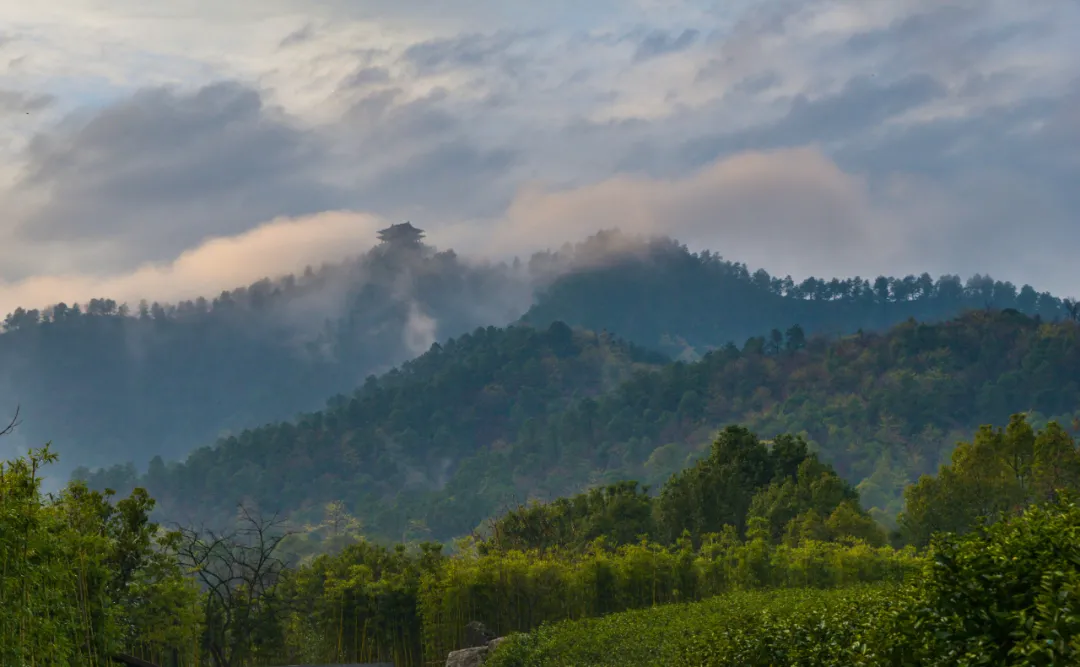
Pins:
x: 477, y: 634
x: 467, y: 657
x: 473, y: 657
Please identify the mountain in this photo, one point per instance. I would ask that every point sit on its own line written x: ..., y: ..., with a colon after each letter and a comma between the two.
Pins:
x: 499, y: 416
x: 106, y: 385
x: 659, y: 294
x: 416, y: 435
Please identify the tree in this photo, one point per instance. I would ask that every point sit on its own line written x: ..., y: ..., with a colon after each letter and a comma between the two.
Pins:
x: 996, y: 475
x: 238, y: 570
x: 775, y: 343
x: 796, y: 338
x: 1072, y: 307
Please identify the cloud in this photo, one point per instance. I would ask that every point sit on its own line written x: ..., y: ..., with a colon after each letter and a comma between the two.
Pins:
x: 943, y: 129
x: 163, y: 170
x: 660, y: 42
x: 15, y: 101
x: 862, y: 104
x: 299, y: 36
x: 276, y: 248
x: 366, y: 76
x: 465, y: 51
x: 792, y: 210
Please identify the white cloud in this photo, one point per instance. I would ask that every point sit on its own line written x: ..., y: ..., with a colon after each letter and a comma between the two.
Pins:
x: 790, y: 210
x: 273, y: 249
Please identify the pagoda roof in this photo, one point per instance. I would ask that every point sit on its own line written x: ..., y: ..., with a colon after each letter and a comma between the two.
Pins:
x: 401, y: 230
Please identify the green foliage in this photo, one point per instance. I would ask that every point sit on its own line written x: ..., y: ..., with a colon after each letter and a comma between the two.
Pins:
x: 621, y: 513
x: 264, y: 352
x: 742, y: 479
x: 998, y: 473
x: 745, y: 629
x: 501, y: 416
x: 444, y: 420
x: 1004, y: 595
x: 517, y: 591
x: 359, y: 605
x: 82, y: 578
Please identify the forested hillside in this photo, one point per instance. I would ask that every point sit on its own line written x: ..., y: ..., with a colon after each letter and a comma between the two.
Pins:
x: 430, y: 444
x: 661, y: 295
x: 494, y: 418
x: 110, y: 383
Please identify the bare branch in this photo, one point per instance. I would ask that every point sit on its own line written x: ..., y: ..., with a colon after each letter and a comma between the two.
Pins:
x: 12, y: 424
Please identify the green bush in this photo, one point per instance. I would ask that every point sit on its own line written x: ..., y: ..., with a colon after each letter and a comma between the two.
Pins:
x: 791, y: 627
x: 515, y: 591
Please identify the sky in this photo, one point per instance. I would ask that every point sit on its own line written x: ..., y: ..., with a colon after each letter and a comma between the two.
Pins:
x: 166, y: 149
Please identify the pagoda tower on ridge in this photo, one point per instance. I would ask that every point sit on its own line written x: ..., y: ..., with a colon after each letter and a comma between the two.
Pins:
x: 401, y: 236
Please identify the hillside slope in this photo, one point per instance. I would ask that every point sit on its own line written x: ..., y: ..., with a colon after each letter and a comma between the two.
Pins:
x: 107, y: 386
x: 440, y: 427
x: 478, y: 425
x: 661, y: 295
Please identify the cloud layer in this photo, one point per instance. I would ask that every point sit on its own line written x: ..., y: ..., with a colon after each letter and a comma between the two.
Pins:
x: 153, y: 149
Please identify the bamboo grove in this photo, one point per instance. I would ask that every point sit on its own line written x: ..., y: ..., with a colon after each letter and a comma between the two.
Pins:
x: 82, y: 578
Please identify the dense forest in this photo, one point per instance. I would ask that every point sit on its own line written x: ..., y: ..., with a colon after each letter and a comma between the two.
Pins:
x: 109, y: 383
x: 240, y: 596
x: 501, y: 416
x: 755, y: 555
x: 658, y: 294
x: 113, y: 382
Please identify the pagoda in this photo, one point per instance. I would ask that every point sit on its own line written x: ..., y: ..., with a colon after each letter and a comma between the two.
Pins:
x: 401, y: 236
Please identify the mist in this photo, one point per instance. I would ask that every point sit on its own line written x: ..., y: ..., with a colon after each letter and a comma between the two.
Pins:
x: 109, y: 381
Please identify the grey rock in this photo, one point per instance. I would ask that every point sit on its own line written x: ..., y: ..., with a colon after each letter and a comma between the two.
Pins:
x: 473, y: 657
x: 467, y: 657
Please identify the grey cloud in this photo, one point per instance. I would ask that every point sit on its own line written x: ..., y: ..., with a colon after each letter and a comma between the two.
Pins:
x: 948, y: 36
x: 366, y: 76
x: 298, y: 36
x: 759, y: 83
x: 15, y: 101
x: 423, y: 158
x: 661, y: 42
x: 163, y: 170
x: 941, y: 147
x: 861, y: 105
x: 455, y: 178
x: 465, y: 51
x: 178, y: 167
x: 914, y: 29
x: 378, y: 120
